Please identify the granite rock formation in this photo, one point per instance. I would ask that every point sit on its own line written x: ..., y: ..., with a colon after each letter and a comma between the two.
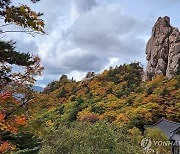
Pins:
x: 163, y: 50
x: 89, y: 76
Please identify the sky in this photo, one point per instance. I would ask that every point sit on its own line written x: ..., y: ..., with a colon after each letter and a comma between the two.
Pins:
x: 92, y: 35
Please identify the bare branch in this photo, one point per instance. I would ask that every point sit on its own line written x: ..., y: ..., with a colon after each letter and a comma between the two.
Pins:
x: 21, y: 105
x: 4, y: 95
x: 17, y: 31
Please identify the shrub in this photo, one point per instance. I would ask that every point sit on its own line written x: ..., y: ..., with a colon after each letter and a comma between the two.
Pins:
x: 90, y: 117
x: 86, y: 138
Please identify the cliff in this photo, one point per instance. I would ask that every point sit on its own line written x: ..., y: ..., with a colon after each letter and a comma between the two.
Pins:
x: 163, y: 50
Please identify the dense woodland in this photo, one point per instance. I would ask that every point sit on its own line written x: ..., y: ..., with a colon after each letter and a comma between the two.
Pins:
x: 104, y: 114
x: 113, y: 106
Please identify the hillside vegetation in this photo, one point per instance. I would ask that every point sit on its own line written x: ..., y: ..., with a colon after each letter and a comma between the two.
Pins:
x: 116, y: 95
x: 102, y: 114
x: 109, y: 110
x: 117, y: 98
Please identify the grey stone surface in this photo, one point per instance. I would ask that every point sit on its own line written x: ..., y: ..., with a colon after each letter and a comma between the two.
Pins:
x: 89, y: 76
x: 163, y: 50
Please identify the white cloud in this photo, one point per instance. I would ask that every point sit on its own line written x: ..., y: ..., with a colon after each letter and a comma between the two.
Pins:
x: 90, y: 35
x: 112, y: 63
x: 78, y: 75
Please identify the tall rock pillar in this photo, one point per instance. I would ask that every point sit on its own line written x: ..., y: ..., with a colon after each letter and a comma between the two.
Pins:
x: 163, y: 50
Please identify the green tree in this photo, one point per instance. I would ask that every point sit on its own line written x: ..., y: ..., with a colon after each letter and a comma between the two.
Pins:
x: 21, y: 16
x: 156, y: 135
x: 28, y: 20
x: 15, y: 86
x: 17, y: 82
x: 86, y: 138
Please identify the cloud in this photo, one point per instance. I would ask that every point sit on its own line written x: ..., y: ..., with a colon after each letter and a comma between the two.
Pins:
x: 85, y: 35
x: 173, y: 2
x: 75, y: 59
x: 76, y: 74
x: 83, y: 5
x: 107, y: 30
x: 24, y: 46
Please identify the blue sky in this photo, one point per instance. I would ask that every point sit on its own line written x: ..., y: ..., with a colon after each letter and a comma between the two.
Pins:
x: 92, y: 35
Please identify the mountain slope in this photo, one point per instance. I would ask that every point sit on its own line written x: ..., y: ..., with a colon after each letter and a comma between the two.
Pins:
x: 116, y: 95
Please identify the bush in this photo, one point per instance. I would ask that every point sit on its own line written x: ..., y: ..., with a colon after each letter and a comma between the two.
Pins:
x: 86, y: 138
x: 156, y: 135
x: 90, y: 117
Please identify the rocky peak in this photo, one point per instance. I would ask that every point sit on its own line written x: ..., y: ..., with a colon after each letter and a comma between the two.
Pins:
x: 63, y: 77
x: 161, y: 26
x: 89, y: 76
x: 163, y: 50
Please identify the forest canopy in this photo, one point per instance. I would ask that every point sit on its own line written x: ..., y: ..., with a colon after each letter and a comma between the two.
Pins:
x: 103, y: 113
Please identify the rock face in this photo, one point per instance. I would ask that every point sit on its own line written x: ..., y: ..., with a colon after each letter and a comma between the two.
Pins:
x: 163, y: 50
x: 89, y: 76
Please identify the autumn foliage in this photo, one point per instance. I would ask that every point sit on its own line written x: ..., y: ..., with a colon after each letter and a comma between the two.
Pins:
x: 116, y: 95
